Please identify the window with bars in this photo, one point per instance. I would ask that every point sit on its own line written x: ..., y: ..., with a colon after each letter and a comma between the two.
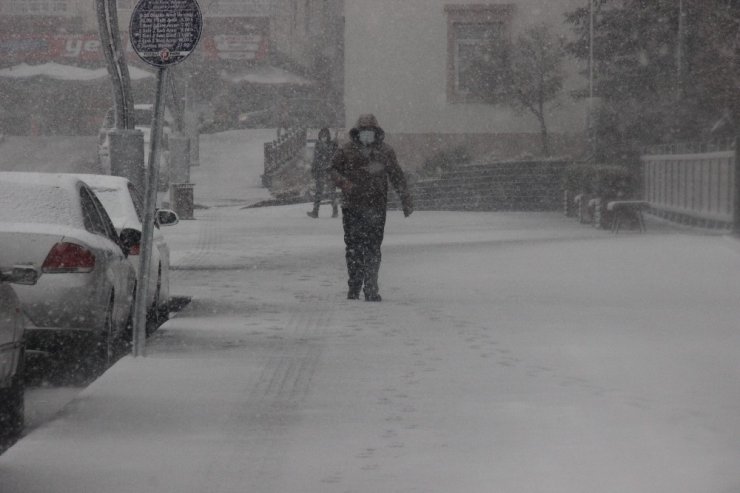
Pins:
x: 478, y: 52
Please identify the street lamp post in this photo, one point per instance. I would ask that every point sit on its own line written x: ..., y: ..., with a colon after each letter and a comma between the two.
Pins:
x: 590, y: 129
x: 736, y: 118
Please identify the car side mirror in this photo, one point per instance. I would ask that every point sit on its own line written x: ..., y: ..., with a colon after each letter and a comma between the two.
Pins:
x: 167, y: 217
x: 20, y: 274
x: 130, y: 241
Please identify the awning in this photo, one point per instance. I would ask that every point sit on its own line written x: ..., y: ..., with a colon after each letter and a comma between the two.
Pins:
x: 58, y: 71
x: 265, y: 74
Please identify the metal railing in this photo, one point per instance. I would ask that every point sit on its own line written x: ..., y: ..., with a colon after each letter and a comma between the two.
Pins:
x: 282, y: 151
x: 691, y: 186
x: 496, y: 186
x: 690, y: 147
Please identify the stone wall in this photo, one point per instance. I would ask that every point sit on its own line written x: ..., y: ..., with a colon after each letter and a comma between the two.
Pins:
x: 498, y: 186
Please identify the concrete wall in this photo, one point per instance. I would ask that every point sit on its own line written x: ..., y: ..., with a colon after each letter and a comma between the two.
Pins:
x: 413, y: 149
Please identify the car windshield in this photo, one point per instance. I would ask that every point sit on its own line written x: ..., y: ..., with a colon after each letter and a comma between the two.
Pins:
x: 116, y: 203
x: 422, y: 246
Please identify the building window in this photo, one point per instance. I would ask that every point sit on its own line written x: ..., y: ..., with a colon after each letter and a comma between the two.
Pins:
x: 478, y: 39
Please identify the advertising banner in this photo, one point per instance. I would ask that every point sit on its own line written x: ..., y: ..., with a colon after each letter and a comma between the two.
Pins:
x: 222, y: 39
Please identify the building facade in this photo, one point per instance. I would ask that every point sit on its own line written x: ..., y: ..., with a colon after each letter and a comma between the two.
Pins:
x: 409, y: 63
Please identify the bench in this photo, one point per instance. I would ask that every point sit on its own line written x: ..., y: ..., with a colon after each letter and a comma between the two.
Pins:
x: 584, y: 206
x: 627, y: 210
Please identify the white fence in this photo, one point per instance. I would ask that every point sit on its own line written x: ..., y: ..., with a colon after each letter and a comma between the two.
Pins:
x: 695, y: 188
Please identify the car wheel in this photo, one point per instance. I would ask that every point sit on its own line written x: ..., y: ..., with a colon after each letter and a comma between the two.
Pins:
x: 103, y: 347
x: 125, y: 341
x: 12, y: 406
x: 163, y: 309
x: 157, y: 315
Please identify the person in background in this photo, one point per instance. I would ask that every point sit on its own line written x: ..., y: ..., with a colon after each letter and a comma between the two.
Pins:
x: 323, y: 153
x: 362, y: 169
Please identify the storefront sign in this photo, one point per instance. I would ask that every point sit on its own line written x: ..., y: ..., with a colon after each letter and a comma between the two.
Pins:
x: 242, y: 8
x: 165, y: 32
x: 63, y: 48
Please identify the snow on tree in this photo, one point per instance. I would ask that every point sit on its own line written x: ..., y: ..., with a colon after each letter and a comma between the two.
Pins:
x: 664, y: 70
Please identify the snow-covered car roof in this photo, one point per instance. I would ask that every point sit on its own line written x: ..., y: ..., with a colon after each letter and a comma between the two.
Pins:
x: 39, y: 198
x: 100, y: 182
x: 113, y: 193
x: 68, y: 180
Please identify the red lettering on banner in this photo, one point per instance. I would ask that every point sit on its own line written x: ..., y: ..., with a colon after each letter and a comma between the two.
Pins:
x: 87, y: 48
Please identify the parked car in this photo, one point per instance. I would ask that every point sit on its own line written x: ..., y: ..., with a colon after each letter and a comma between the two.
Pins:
x: 83, y: 300
x: 12, y: 350
x: 143, y: 115
x: 125, y: 206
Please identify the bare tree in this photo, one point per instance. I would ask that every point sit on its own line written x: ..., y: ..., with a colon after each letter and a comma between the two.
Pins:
x: 536, y: 74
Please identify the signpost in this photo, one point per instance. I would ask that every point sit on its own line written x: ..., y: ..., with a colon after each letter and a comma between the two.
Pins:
x: 162, y: 33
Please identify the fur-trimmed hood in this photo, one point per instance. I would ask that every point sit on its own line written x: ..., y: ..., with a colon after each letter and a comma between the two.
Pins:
x: 365, y: 122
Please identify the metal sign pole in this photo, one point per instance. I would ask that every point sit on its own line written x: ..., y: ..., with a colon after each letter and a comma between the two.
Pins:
x: 147, y: 233
x: 162, y: 32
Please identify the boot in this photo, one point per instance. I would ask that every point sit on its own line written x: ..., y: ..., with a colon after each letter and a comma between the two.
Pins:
x: 314, y: 214
x: 335, y: 212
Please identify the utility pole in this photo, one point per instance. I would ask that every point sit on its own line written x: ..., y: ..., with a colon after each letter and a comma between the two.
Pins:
x: 126, y: 144
x: 119, y: 57
x: 590, y: 129
x: 110, y: 40
x: 101, y: 9
x: 679, y: 50
x: 736, y: 118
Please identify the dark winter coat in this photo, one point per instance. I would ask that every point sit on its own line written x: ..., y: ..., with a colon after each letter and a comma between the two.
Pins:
x: 322, y: 158
x: 362, y: 172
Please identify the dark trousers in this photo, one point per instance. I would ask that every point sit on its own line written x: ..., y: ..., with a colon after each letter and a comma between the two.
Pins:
x: 363, y: 235
x: 325, y: 188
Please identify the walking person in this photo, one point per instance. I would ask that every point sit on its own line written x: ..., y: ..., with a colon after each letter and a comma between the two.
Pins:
x: 323, y: 153
x: 362, y: 169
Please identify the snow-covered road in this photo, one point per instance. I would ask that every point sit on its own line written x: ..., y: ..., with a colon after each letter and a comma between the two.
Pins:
x: 512, y: 352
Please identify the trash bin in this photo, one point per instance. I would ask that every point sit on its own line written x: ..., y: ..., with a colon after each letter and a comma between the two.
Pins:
x: 181, y: 199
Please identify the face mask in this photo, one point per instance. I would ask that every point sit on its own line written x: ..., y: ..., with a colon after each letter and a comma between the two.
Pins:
x: 367, y: 137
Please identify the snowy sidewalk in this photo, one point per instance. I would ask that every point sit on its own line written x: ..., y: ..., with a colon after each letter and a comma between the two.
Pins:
x: 512, y: 352
x: 508, y: 355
